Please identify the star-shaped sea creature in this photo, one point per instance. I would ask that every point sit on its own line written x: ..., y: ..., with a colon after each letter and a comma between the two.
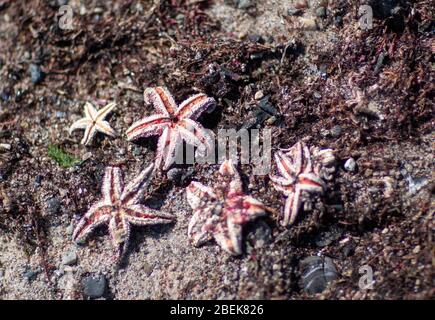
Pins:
x: 174, y: 124
x: 120, y: 207
x: 221, y: 212
x: 298, y: 174
x: 93, y: 122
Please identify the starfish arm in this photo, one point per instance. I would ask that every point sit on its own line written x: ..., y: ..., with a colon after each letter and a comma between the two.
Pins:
x: 90, y: 111
x: 82, y: 123
x: 194, y: 106
x: 113, y: 185
x: 148, y: 126
x: 281, y: 184
x: 198, y: 194
x: 167, y: 147
x: 119, y: 228
x: 103, y: 112
x: 205, y: 137
x: 88, y: 135
x: 252, y: 208
x: 291, y: 207
x: 199, y: 229
x: 97, y: 215
x: 280, y: 180
x: 161, y: 99
x: 134, y: 190
x: 284, y: 165
x: 162, y: 143
x: 228, y: 168
x: 306, y: 158
x: 171, y: 148
x: 311, y: 183
x: 199, y: 139
x: 139, y: 214
x: 104, y: 127
x: 229, y: 238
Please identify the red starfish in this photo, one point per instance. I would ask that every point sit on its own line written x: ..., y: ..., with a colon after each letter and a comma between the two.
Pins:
x: 297, y: 174
x: 173, y: 124
x: 119, y: 208
x: 220, y: 212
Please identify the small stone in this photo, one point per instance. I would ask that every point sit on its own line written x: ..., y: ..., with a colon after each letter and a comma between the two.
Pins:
x: 5, y: 146
x: 321, y: 12
x: 69, y: 258
x: 5, y: 95
x: 38, y: 180
x: 317, y: 273
x: 416, y: 249
x: 70, y: 229
x: 60, y: 114
x: 87, y: 156
x: 350, y: 165
x: 338, y: 21
x: 326, y: 238
x: 137, y: 151
x: 255, y: 38
x: 336, y: 131
x: 244, y: 4
x: 308, y: 24
x: 128, y: 120
x: 36, y: 74
x: 262, y: 235
x: 94, y: 287
x: 53, y: 205
x: 174, y: 174
x: 30, y: 275
x: 258, y: 95
x: 293, y: 11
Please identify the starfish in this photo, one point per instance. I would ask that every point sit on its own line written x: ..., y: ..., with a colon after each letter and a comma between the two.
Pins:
x: 297, y: 174
x: 120, y: 207
x: 221, y: 212
x: 93, y: 122
x: 173, y: 123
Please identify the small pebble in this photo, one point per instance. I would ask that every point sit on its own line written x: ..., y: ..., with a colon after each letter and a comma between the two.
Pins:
x: 350, y: 165
x: 94, y: 287
x: 87, y: 156
x: 5, y: 146
x: 30, y: 275
x: 36, y: 74
x: 258, y: 95
x: 128, y: 120
x: 174, y: 174
x: 317, y: 272
x: 53, y: 205
x: 38, y: 180
x: 293, y: 11
x: 69, y: 258
x: 416, y: 249
x: 336, y: 131
x: 321, y: 12
x: 244, y: 4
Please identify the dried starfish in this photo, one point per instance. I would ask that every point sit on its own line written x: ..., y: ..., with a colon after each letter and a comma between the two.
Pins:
x: 221, y: 212
x: 119, y: 208
x: 297, y: 174
x: 93, y: 122
x: 173, y: 124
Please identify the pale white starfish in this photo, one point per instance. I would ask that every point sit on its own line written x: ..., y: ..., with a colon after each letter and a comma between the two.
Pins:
x: 93, y: 122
